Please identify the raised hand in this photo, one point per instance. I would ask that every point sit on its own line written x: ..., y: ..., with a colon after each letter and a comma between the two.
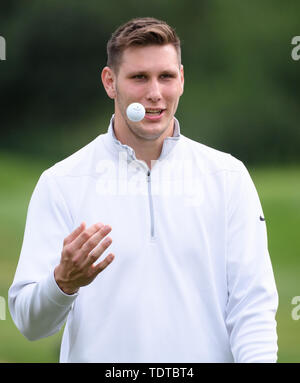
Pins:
x: 80, y: 252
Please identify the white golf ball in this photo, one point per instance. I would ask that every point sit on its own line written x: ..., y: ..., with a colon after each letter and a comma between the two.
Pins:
x: 135, y: 112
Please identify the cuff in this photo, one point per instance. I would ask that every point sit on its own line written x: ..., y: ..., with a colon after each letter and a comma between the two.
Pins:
x: 55, y: 294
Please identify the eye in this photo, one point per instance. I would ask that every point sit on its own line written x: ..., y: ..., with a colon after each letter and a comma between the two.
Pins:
x: 166, y: 76
x: 139, y: 77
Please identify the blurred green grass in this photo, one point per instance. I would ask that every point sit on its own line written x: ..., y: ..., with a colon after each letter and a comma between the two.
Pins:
x: 18, y: 178
x: 279, y: 190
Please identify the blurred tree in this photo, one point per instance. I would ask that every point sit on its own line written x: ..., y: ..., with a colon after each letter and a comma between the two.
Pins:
x: 241, y: 91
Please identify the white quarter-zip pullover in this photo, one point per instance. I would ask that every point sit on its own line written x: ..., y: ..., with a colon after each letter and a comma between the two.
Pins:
x: 191, y: 280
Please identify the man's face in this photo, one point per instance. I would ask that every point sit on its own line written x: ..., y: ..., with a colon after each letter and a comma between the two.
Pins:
x: 152, y: 76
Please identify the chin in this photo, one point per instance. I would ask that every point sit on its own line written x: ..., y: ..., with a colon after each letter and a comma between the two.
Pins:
x: 150, y: 133
x: 148, y: 136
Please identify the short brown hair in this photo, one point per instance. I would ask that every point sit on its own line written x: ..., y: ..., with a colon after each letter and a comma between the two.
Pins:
x: 140, y: 32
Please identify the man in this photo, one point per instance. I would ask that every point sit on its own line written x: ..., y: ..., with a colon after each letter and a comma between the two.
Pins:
x: 185, y: 275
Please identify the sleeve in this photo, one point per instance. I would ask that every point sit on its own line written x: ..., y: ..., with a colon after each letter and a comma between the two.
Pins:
x: 252, y: 294
x: 37, y: 305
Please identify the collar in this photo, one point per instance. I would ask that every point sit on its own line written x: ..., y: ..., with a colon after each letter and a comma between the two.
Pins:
x: 115, y: 146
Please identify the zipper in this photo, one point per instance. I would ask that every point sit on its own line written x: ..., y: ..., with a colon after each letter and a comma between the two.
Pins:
x: 150, y: 205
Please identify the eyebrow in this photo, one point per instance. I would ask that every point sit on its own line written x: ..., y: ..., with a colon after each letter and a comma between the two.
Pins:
x: 146, y: 73
x: 135, y: 73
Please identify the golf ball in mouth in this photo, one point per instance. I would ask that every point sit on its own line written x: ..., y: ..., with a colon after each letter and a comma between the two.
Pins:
x: 135, y: 112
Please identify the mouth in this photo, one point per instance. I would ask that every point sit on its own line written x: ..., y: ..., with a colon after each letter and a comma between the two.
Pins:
x: 154, y: 113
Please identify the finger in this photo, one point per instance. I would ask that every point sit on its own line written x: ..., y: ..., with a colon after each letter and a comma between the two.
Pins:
x: 102, y: 265
x: 74, y: 234
x: 95, y: 239
x: 98, y: 251
x: 86, y: 235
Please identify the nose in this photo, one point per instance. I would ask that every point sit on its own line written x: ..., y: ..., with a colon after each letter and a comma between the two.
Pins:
x: 153, y: 91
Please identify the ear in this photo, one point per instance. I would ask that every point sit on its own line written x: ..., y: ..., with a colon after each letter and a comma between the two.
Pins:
x: 108, y: 80
x: 182, y: 78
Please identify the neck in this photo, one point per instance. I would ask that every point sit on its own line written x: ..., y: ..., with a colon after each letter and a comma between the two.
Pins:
x: 145, y: 149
